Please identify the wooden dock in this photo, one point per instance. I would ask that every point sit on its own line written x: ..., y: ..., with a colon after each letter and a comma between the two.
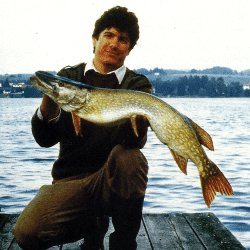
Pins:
x: 158, y: 232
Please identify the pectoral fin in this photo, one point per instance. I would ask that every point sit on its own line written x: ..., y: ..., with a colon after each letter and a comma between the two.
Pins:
x: 134, y: 126
x: 203, y: 137
x: 77, y: 123
x: 180, y: 160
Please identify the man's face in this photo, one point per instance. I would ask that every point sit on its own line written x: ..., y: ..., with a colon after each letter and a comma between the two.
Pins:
x: 111, y: 49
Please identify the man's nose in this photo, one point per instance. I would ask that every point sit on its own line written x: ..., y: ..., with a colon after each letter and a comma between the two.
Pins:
x: 114, y: 43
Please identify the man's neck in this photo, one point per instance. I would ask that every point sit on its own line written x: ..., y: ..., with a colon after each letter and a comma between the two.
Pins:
x: 104, y: 68
x: 120, y: 72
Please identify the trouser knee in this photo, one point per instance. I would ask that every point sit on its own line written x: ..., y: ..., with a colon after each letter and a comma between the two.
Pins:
x: 128, y: 170
x: 25, y: 238
x: 131, y: 161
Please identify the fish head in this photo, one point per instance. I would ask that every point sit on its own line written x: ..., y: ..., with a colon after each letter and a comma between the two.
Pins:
x: 68, y: 94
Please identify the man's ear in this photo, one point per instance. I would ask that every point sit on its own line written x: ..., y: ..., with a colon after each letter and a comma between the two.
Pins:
x: 94, y: 40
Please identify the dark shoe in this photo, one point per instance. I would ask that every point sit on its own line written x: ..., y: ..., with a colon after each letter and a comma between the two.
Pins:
x: 90, y: 246
x: 94, y: 240
x: 126, y: 218
x: 121, y: 243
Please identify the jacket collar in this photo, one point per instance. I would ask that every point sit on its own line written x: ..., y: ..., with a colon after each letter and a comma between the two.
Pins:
x: 120, y: 72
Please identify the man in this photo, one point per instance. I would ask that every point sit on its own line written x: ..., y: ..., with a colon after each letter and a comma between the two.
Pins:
x: 100, y: 170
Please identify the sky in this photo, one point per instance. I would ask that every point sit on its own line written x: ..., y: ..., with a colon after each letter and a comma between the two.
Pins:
x: 174, y: 34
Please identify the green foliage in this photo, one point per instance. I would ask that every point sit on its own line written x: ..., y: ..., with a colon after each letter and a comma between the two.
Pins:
x: 197, y: 86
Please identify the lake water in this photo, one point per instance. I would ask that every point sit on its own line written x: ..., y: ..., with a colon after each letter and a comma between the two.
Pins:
x: 24, y: 166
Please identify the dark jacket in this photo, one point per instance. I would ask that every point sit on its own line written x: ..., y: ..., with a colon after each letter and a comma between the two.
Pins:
x: 88, y: 153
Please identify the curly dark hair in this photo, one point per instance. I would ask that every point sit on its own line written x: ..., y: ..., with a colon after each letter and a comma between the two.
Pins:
x: 121, y: 19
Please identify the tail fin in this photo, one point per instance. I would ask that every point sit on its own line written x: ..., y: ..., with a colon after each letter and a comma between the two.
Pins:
x: 214, y: 181
x: 203, y: 137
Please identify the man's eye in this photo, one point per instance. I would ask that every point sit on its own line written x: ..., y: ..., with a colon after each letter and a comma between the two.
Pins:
x: 124, y: 40
x: 108, y: 35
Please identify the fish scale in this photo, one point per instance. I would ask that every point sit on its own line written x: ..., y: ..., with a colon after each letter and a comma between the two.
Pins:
x: 111, y: 107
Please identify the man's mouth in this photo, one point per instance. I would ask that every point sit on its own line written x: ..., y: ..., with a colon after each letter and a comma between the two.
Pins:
x: 112, y: 53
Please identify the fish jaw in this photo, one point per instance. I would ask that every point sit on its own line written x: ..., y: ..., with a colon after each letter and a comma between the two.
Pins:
x: 47, y: 77
x: 43, y: 87
x: 61, y: 90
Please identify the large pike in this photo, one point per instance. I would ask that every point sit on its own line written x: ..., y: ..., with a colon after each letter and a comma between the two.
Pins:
x: 107, y: 106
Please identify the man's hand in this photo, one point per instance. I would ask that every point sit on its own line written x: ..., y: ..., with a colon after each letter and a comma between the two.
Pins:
x: 49, y: 108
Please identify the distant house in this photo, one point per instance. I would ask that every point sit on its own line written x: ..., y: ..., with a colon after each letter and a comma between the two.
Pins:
x: 18, y: 85
x: 246, y: 86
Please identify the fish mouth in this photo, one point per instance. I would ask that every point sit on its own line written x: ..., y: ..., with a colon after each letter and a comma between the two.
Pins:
x: 45, y: 76
x: 49, y: 78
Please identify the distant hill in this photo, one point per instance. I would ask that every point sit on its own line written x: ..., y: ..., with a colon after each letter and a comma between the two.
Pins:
x: 216, y: 71
x: 228, y: 74
x: 19, y: 77
x: 211, y: 71
x: 245, y: 72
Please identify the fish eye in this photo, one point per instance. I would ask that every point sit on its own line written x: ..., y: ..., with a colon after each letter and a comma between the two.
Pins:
x: 60, y: 84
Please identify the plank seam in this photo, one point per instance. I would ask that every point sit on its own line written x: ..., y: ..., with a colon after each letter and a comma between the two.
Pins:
x: 201, y: 241
x: 146, y: 230
x: 179, y: 240
x: 11, y: 243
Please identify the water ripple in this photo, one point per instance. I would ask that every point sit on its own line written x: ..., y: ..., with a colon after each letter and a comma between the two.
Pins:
x: 25, y: 167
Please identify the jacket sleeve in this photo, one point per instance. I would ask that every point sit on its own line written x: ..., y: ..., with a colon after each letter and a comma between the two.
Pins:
x: 46, y: 134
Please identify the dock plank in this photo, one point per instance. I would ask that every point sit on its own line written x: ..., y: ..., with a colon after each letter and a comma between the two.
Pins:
x: 15, y: 246
x: 142, y: 239
x: 158, y: 232
x: 161, y: 232
x: 212, y: 232
x: 187, y: 237
x: 6, y: 235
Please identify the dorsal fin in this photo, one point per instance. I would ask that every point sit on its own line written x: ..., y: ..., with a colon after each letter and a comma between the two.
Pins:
x: 180, y: 160
x: 203, y: 137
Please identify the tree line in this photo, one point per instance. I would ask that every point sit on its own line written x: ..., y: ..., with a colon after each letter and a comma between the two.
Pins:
x: 194, y: 86
x: 197, y: 86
